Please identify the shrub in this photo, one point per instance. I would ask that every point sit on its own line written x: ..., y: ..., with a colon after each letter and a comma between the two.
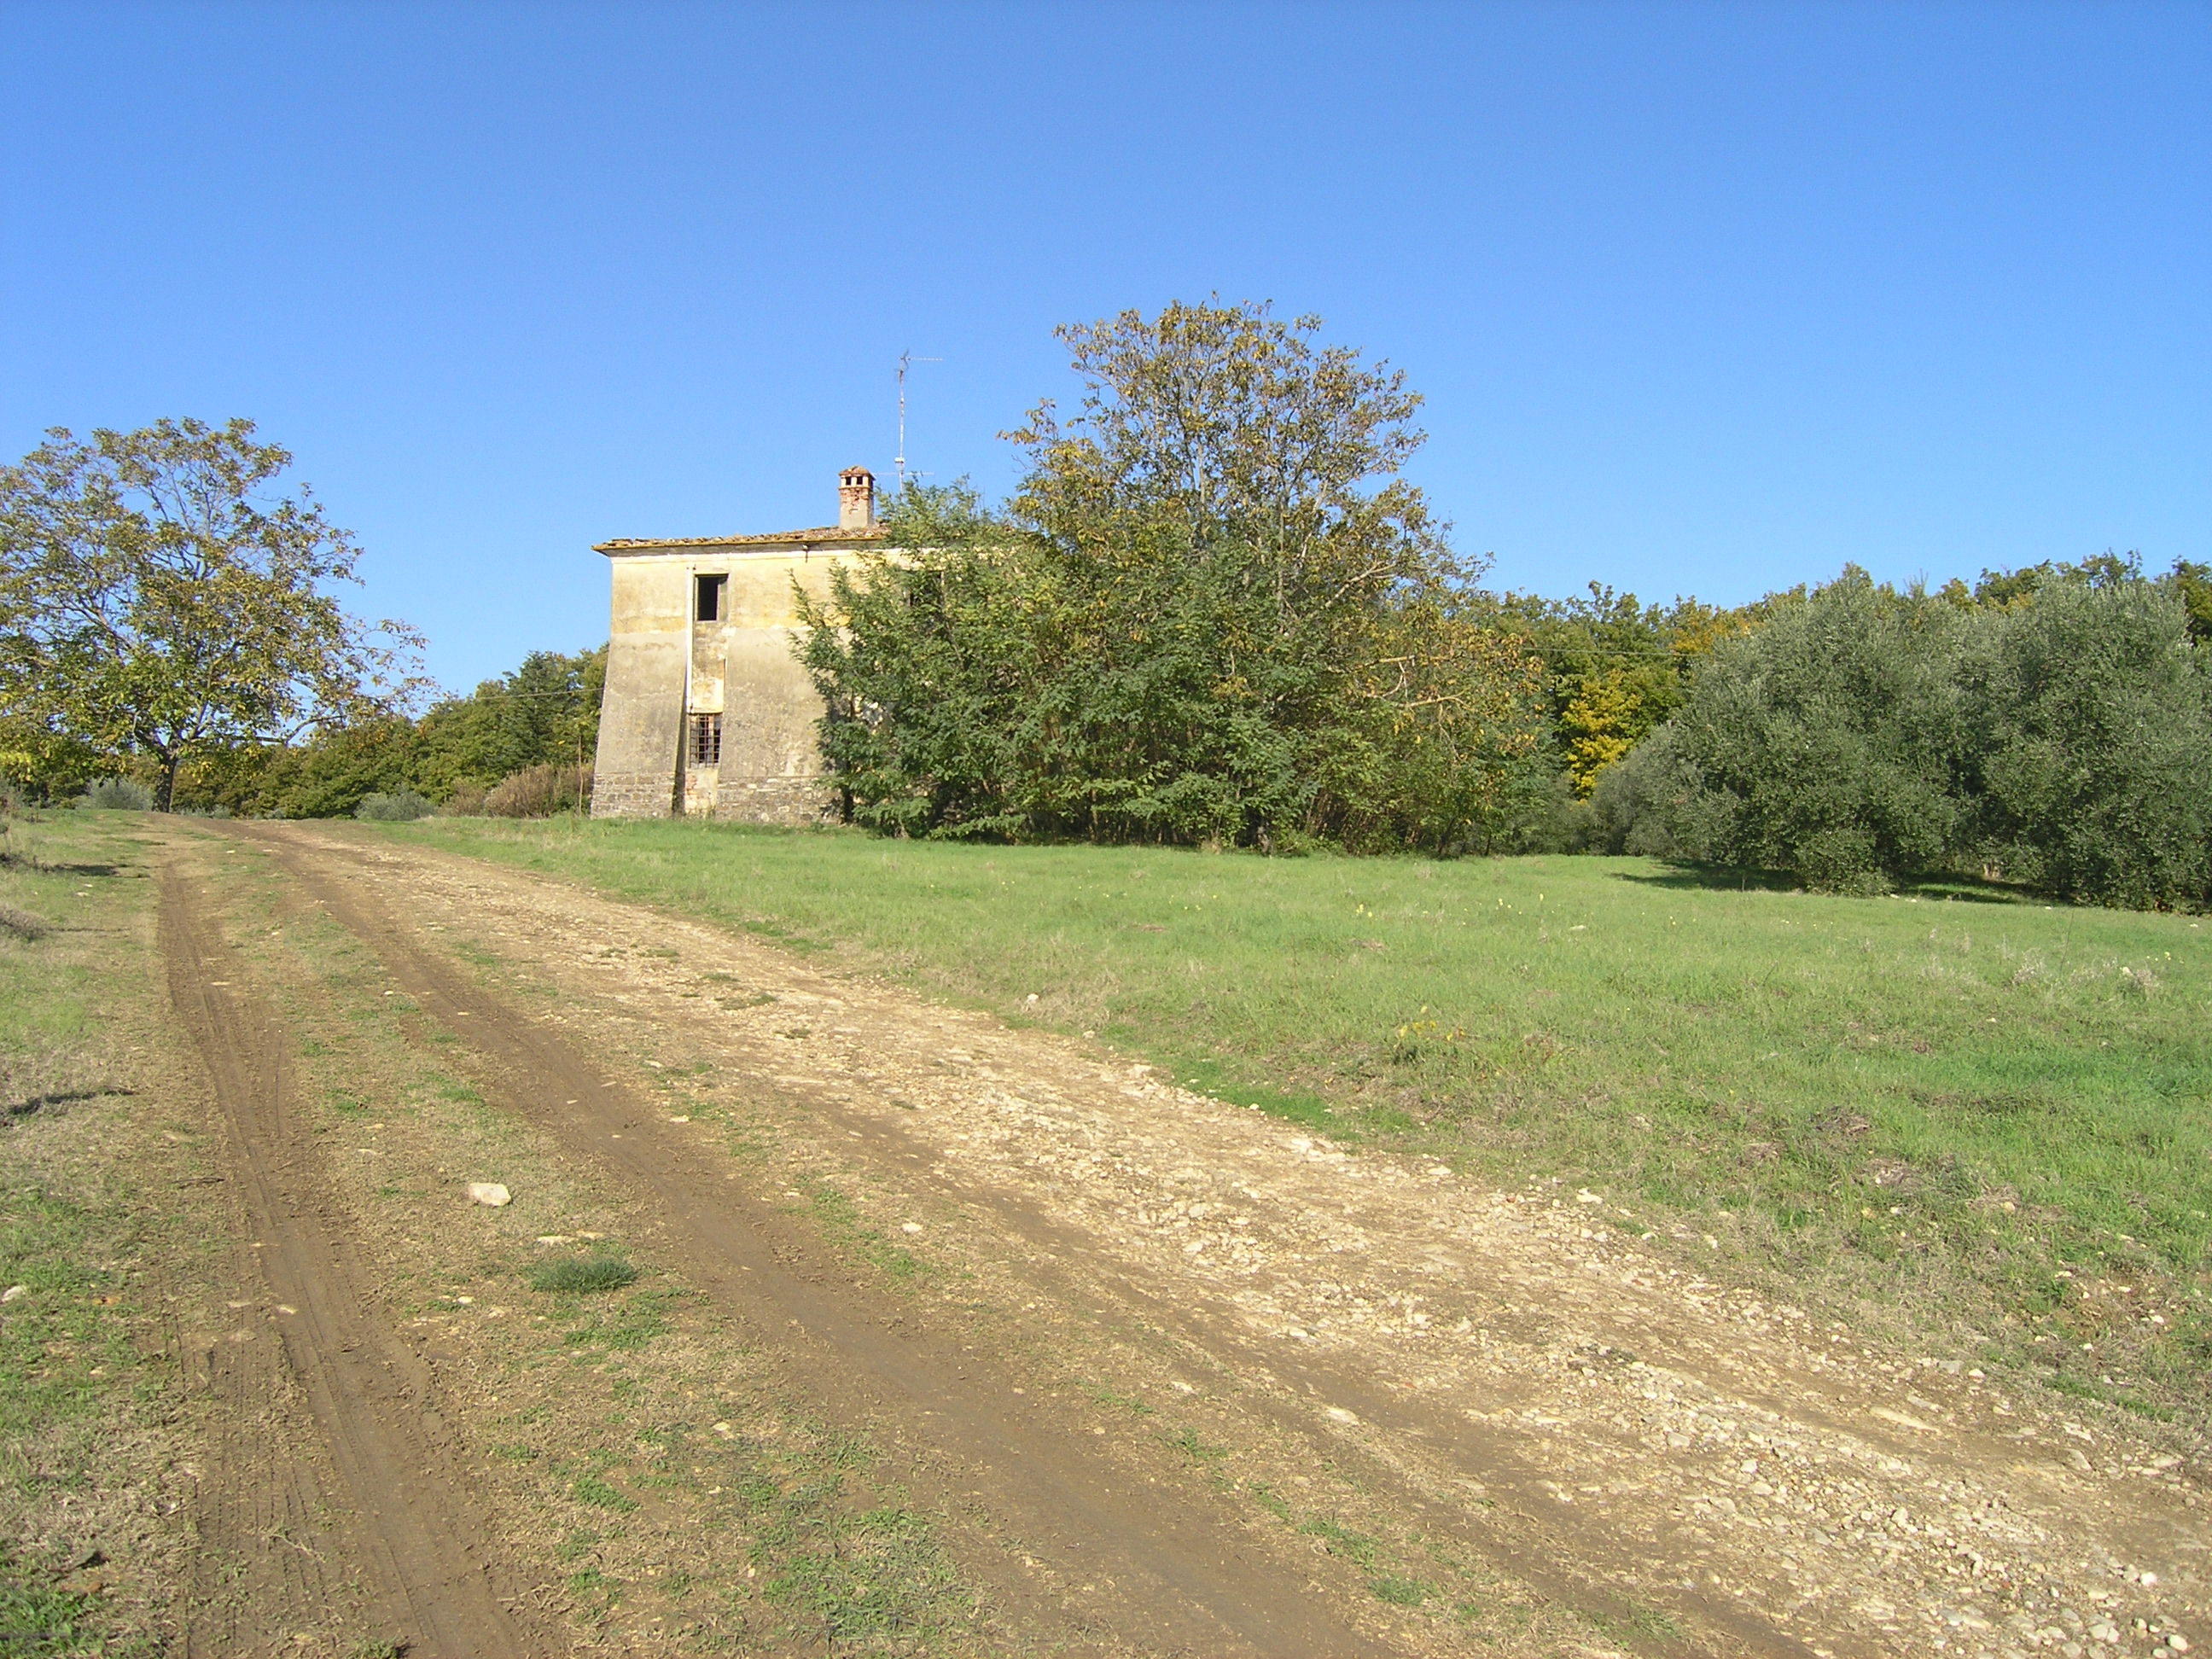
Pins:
x: 540, y: 792
x: 1640, y: 801
x: 581, y: 1275
x: 116, y: 795
x: 402, y: 807
x: 1553, y: 816
x: 467, y: 801
x: 2088, y: 743
x: 2053, y: 725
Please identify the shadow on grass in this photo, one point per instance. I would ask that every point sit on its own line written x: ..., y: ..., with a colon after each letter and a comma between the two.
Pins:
x: 1712, y: 877
x: 1683, y: 874
x: 49, y: 867
x: 62, y: 1097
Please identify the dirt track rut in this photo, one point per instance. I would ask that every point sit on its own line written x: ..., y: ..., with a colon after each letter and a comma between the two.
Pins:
x: 1177, y: 1588
x: 379, y: 1505
x: 1691, y: 1469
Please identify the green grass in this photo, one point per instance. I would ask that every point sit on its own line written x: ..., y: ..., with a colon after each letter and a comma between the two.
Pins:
x: 39, y: 1618
x: 589, y: 1489
x: 1982, y: 1108
x: 1400, y: 1592
x: 841, y: 1224
x: 74, y: 986
x: 1355, y: 1548
x: 581, y: 1275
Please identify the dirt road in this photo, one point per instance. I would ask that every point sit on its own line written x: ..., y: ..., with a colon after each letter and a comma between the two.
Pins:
x: 1182, y: 1380
x: 372, y: 1509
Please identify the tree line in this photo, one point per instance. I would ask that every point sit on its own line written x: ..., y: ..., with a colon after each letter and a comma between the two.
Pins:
x: 1214, y: 611
x: 170, y: 623
x: 2051, y: 726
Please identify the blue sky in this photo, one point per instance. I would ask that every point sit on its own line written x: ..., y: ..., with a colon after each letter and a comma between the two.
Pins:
x: 1704, y: 297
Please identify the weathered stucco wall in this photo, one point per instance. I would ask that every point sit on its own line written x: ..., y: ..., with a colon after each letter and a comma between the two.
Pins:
x: 771, y: 769
x: 665, y: 665
x: 642, y: 718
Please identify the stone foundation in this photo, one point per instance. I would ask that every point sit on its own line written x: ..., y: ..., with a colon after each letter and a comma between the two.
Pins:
x: 786, y: 800
x: 632, y: 795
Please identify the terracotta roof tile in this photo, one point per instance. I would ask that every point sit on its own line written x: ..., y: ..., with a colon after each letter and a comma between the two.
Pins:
x: 821, y: 533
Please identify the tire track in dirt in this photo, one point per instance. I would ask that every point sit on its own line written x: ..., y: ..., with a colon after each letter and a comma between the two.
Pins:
x: 412, y: 1531
x: 1178, y: 1583
x: 276, y: 1540
x: 1528, y: 1531
x: 1743, y: 1475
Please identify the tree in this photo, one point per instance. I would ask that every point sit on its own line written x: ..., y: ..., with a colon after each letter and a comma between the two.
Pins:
x: 1213, y: 611
x: 543, y: 713
x: 1614, y: 668
x: 2086, y: 743
x: 546, y: 713
x: 2192, y: 586
x: 2052, y: 724
x: 160, y: 601
x: 1823, y: 742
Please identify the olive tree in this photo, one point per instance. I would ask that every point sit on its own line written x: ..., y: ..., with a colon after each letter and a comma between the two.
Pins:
x: 1822, y: 742
x: 2087, y: 743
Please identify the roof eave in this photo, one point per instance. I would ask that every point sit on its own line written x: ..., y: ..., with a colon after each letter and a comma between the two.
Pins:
x: 827, y: 535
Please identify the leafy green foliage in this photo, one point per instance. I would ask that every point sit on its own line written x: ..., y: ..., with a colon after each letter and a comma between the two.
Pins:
x: 402, y: 807
x: 1821, y: 743
x: 1614, y: 668
x: 533, y: 719
x: 1212, y: 613
x: 2193, y: 583
x: 158, y: 602
x: 2052, y: 725
x: 2086, y: 744
x: 546, y: 713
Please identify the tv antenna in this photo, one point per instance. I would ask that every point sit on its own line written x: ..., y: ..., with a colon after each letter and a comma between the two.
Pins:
x: 906, y: 359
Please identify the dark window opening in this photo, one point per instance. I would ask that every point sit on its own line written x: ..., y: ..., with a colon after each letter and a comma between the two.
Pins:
x: 710, y: 589
x: 705, y: 741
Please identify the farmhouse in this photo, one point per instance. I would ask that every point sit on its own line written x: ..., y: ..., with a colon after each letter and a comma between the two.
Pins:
x: 707, y: 710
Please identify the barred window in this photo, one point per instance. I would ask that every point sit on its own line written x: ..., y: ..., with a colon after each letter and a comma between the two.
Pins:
x: 706, y: 740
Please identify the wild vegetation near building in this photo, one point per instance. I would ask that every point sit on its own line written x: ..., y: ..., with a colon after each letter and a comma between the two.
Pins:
x: 160, y: 600
x: 1213, y: 611
x: 537, y: 717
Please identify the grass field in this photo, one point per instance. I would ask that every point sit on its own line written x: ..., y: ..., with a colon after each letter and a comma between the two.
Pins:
x: 1983, y: 1117
x: 78, y: 1399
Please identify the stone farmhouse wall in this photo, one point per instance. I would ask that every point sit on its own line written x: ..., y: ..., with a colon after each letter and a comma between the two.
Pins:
x: 707, y: 711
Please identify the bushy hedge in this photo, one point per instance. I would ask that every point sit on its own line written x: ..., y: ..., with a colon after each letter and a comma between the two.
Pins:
x: 2059, y: 734
x: 402, y: 807
x: 116, y: 795
x: 538, y: 792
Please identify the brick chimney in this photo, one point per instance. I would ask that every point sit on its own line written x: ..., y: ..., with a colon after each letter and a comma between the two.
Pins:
x: 856, y: 498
